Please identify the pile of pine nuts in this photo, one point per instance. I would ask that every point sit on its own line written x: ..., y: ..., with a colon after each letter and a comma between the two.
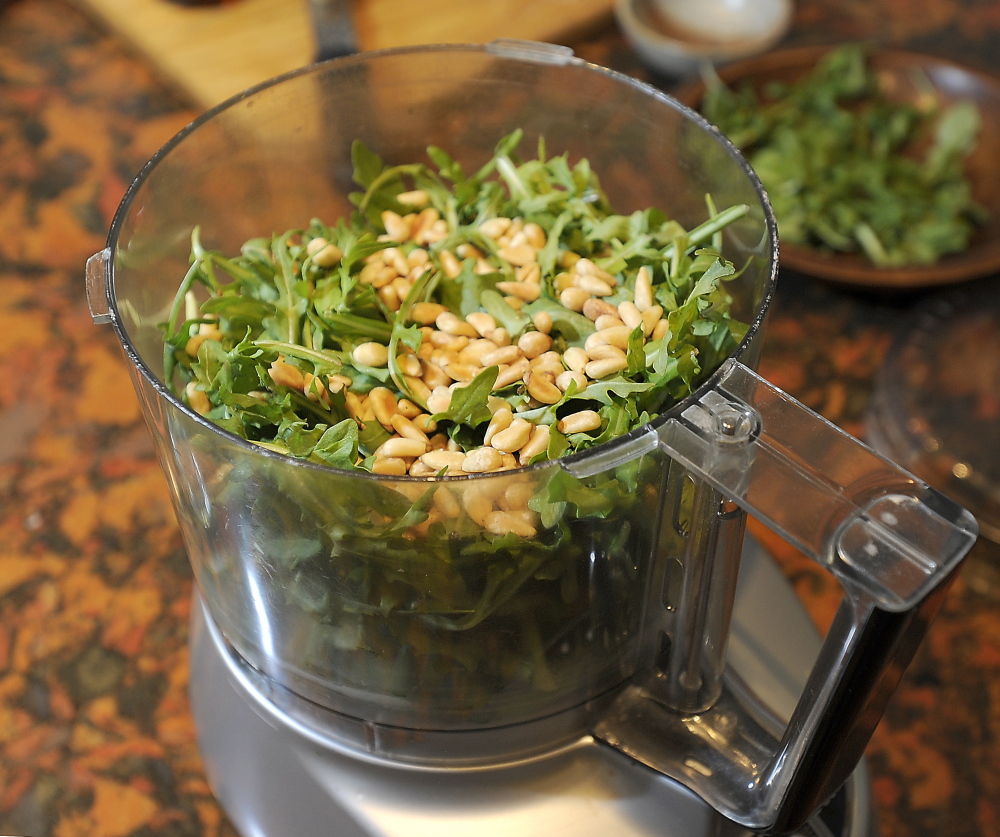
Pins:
x: 453, y: 351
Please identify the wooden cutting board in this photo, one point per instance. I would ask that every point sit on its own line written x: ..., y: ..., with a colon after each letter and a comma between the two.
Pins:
x: 213, y: 52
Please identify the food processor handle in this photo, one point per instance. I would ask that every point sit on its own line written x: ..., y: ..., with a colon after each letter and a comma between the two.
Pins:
x: 892, y: 542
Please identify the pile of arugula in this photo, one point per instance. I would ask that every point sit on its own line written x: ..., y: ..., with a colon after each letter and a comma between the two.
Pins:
x: 848, y: 168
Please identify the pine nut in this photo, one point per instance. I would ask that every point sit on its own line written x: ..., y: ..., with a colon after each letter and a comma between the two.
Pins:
x: 565, y: 379
x: 463, y: 372
x: 426, y: 313
x: 482, y: 460
x: 530, y: 272
x: 501, y: 522
x: 500, y: 336
x: 478, y: 504
x: 629, y: 314
x: 580, y: 422
x: 406, y: 428
x: 494, y: 227
x: 586, y: 267
x: 506, y: 354
x: 567, y: 258
x: 576, y: 358
x: 537, y: 444
x: 607, y: 321
x: 447, y: 460
x: 533, y: 343
x: 603, y: 351
x: 354, y: 406
x: 424, y: 422
x: 643, y: 289
x: 409, y: 364
x: 516, y: 496
x: 450, y: 263
x: 595, y: 308
x: 407, y: 409
x: 197, y: 399
x: 403, y: 448
x: 285, y: 375
x: 483, y: 323
x: 574, y: 298
x: 389, y: 466
x: 510, y: 374
x: 527, y: 291
x: 542, y: 389
x: 389, y: 297
x: 616, y: 336
x: 603, y: 367
x: 509, y: 462
x: 383, y: 403
x: 501, y: 421
x: 517, y: 255
x: 661, y: 330
x: 419, y: 389
x: 592, y: 285
x: 534, y: 235
x: 395, y: 227
x: 439, y: 400
x: 417, y: 257
x: 514, y: 437
x: 420, y: 469
x: 450, y: 324
x: 650, y: 317
x: 476, y: 351
x: 315, y: 245
x: 371, y: 354
x: 445, y: 502
x: 543, y: 322
x: 514, y: 302
x: 416, y: 198
x: 327, y: 256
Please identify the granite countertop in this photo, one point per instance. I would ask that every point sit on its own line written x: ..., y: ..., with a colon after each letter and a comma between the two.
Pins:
x: 96, y: 736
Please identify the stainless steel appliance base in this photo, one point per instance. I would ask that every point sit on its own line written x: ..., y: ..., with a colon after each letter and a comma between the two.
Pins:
x: 275, y: 780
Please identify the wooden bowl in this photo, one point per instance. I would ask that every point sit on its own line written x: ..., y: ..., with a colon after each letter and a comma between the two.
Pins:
x: 896, y: 67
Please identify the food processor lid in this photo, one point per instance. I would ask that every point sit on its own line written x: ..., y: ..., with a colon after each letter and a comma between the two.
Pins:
x: 936, y: 406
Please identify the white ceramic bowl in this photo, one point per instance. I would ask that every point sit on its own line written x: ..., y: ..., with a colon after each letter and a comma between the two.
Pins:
x: 675, y: 37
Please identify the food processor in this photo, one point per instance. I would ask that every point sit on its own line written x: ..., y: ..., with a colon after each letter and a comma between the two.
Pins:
x: 634, y: 667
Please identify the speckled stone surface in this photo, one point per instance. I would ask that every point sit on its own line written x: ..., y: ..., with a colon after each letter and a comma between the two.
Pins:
x: 96, y: 736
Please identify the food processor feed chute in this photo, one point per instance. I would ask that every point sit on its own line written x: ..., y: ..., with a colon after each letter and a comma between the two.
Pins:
x: 475, y: 649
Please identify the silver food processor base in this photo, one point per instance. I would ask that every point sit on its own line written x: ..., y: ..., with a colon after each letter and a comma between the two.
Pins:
x: 274, y: 781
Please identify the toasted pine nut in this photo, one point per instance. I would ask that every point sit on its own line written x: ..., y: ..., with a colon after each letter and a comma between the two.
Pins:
x: 335, y: 383
x: 602, y: 351
x: 316, y: 244
x: 406, y: 428
x: 514, y: 302
x: 592, y: 285
x: 509, y: 462
x: 629, y: 314
x: 542, y: 389
x: 327, y: 256
x: 661, y: 330
x: 354, y: 406
x: 445, y: 502
x: 564, y: 379
x: 439, y: 400
x: 500, y: 336
x: 419, y: 389
x: 527, y: 291
x: 404, y: 448
x: 389, y: 465
x: 494, y: 227
x: 426, y: 313
x: 562, y: 281
x: 516, y: 496
x: 450, y: 324
x: 531, y: 273
x: 587, y: 268
x: 505, y: 354
x: 501, y: 421
x: 603, y: 367
x: 514, y: 437
x: 650, y: 317
x: 389, y: 296
x: 285, y: 375
x: 615, y: 336
x: 421, y: 469
x: 574, y: 298
x: 575, y: 358
x: 371, y: 354
x: 197, y: 399
x: 448, y: 460
x: 509, y: 374
x: 383, y: 403
x: 643, y: 289
x: 501, y: 522
x: 478, y: 504
x: 476, y: 351
x: 424, y: 422
x: 482, y: 460
x: 417, y: 198
x: 543, y: 322
x: 517, y: 255
x: 580, y: 422
x: 418, y: 256
x: 537, y: 444
x: 483, y: 323
x: 395, y: 226
x: 463, y: 372
x: 607, y: 321
x: 409, y: 364
x: 450, y: 263
x: 533, y: 343
x: 534, y: 235
x: 401, y: 286
x: 594, y: 308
